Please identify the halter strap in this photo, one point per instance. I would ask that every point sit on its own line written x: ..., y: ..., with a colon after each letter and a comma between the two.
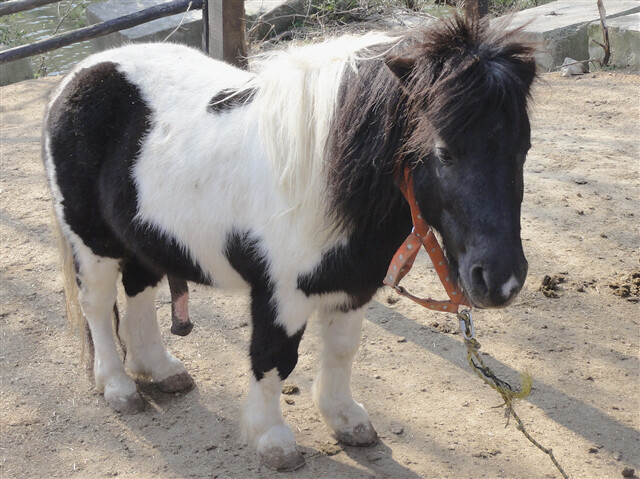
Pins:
x: 402, y: 261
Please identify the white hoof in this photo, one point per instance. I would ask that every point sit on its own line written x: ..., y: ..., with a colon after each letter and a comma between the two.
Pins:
x: 361, y: 435
x: 121, y: 395
x: 278, y: 450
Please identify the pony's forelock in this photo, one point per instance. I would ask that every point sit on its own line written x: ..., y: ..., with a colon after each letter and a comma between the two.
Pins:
x: 465, y: 71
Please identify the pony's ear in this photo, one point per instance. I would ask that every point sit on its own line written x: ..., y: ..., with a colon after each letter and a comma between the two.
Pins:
x: 401, y: 66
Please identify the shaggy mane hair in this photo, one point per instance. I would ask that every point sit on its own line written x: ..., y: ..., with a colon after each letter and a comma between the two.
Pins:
x: 441, y: 81
x: 463, y: 71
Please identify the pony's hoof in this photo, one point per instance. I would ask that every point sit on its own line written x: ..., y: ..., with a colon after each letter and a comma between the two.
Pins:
x: 277, y: 459
x: 180, y: 382
x: 131, y: 404
x: 181, y: 329
x: 361, y: 436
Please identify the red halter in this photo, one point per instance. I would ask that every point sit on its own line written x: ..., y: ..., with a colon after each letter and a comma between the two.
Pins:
x: 406, y: 254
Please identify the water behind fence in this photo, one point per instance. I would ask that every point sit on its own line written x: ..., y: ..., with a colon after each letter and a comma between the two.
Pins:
x: 41, y: 23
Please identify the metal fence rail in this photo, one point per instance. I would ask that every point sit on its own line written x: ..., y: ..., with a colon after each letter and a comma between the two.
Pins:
x: 101, y: 29
x: 15, y: 6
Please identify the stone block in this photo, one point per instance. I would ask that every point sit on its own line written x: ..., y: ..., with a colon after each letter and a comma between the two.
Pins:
x: 624, y: 40
x: 16, y: 71
x: 189, y: 33
x: 561, y: 27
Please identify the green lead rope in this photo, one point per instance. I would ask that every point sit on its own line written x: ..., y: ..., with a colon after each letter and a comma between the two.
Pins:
x: 508, y: 393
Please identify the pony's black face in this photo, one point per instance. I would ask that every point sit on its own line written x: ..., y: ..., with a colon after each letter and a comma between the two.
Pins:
x: 470, y: 189
x: 467, y: 134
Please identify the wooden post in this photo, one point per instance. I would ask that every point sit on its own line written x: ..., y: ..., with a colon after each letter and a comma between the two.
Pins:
x: 205, y: 26
x: 226, y: 31
x: 478, y: 8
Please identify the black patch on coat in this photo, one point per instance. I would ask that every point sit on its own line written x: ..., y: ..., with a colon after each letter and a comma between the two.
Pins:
x: 271, y: 347
x: 136, y: 278
x: 359, y: 267
x: 365, y: 136
x: 96, y: 126
x: 228, y: 99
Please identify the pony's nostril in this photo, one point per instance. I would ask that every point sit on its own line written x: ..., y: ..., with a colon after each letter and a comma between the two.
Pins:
x: 479, y: 278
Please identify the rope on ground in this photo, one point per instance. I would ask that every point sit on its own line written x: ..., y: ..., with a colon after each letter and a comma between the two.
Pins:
x: 508, y: 393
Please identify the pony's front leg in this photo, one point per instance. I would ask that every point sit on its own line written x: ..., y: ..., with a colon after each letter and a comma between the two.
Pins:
x: 348, y: 419
x: 274, y: 354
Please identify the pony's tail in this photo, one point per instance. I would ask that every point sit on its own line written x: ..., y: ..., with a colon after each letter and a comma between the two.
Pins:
x: 75, y: 317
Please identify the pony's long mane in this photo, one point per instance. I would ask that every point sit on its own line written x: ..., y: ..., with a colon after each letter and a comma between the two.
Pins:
x: 458, y: 71
x: 340, y: 117
x: 297, y: 93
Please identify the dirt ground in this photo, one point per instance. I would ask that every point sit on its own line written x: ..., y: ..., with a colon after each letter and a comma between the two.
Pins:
x: 578, y: 337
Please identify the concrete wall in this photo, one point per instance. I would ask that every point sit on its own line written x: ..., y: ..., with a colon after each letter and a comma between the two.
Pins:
x: 561, y: 27
x: 14, y: 72
x: 624, y: 39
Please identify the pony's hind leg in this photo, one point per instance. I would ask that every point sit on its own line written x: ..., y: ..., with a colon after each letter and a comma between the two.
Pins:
x: 348, y: 419
x: 139, y: 332
x: 97, y: 277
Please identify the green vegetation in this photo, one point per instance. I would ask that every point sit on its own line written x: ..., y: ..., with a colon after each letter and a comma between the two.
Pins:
x: 11, y: 34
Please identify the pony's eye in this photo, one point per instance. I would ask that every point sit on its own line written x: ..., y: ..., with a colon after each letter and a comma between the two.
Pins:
x: 444, y: 156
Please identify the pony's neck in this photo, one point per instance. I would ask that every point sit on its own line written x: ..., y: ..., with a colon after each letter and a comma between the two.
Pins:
x: 365, y: 137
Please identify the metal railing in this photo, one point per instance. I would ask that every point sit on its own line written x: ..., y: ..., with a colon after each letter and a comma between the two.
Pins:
x: 223, y: 27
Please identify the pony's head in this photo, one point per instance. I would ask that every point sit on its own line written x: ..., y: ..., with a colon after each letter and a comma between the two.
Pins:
x: 466, y: 87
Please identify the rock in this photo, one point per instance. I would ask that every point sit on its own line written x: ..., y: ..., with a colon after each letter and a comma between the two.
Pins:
x: 15, y: 71
x: 278, y: 19
x: 402, y: 339
x: 561, y: 26
x: 551, y: 285
x: 330, y: 449
x: 570, y: 68
x: 628, y: 472
x: 393, y: 299
x: 189, y: 33
x: 624, y: 39
x: 397, y: 430
x: 290, y: 389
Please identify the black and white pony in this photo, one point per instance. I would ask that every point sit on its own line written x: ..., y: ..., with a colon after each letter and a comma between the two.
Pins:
x: 281, y: 181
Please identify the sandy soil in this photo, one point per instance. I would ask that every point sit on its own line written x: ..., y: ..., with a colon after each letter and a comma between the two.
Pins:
x: 435, y: 418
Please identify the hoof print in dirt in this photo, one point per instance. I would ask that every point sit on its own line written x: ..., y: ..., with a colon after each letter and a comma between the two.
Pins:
x: 182, y: 382
x: 550, y: 286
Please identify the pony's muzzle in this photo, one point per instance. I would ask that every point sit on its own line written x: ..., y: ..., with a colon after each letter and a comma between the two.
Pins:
x: 493, y: 286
